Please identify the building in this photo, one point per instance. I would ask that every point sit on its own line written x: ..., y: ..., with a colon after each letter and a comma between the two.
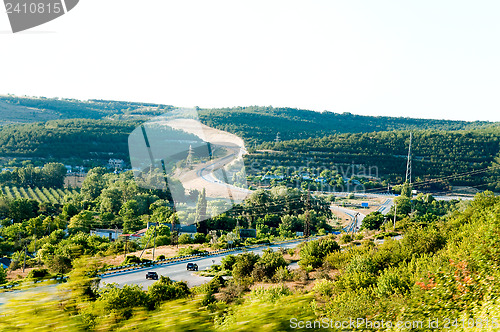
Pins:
x: 111, y: 234
x: 116, y: 163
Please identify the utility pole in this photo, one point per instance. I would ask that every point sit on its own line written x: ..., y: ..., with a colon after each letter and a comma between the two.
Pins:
x: 408, y: 163
x: 25, y: 253
x: 154, y: 244
x: 126, y: 242
x: 355, y: 223
x: 395, y: 213
x: 307, y: 223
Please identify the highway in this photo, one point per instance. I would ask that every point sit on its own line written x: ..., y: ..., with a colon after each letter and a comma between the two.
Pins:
x: 177, y: 270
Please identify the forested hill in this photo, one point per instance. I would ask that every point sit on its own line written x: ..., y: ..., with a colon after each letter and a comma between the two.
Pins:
x: 66, y: 139
x: 436, y: 154
x: 263, y: 124
x: 254, y: 124
x: 23, y: 109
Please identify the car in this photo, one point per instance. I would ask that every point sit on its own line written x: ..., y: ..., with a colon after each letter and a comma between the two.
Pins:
x: 152, y: 275
x: 192, y: 267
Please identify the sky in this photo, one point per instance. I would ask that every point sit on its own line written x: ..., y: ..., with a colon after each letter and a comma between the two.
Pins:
x: 423, y: 59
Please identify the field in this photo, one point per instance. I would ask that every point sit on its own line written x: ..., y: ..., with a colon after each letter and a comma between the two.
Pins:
x: 43, y: 195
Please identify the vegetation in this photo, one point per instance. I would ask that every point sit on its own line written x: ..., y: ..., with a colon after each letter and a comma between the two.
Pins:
x: 350, y: 162
x: 444, y: 265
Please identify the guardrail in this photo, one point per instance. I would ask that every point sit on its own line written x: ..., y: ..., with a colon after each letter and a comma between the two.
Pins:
x: 138, y: 266
x: 35, y: 281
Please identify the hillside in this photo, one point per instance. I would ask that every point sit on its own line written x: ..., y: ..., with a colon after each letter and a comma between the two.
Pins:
x: 436, y: 154
x: 254, y: 124
x: 262, y: 124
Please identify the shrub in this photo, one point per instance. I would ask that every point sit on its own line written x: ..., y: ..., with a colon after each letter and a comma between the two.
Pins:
x: 3, y: 275
x: 345, y: 238
x: 165, y: 290
x: 267, y: 264
x: 244, y: 265
x: 38, y: 273
x: 189, y: 251
x: 313, y: 252
x: 393, y: 280
x: 185, y: 239
x: 228, y: 262
x: 324, y: 287
x: 282, y: 274
x: 271, y: 294
x: 233, y: 291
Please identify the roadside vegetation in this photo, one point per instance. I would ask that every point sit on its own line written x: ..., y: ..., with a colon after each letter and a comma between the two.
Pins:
x: 439, y: 269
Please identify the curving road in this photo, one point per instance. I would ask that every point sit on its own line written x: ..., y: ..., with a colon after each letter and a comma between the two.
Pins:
x: 177, y: 270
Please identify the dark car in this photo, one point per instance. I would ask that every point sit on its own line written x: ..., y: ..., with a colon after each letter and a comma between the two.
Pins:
x: 192, y: 267
x: 152, y: 275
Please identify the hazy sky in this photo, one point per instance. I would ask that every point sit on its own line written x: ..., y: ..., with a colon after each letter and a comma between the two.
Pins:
x: 431, y: 59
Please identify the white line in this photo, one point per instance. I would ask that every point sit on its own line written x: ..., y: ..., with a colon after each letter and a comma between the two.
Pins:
x: 64, y: 6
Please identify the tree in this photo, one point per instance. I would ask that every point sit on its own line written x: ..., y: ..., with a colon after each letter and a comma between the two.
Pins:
x: 94, y: 183
x: 3, y: 275
x: 185, y: 239
x: 406, y: 190
x: 82, y: 222
x: 201, y: 212
x: 313, y: 252
x: 244, y: 265
x: 130, y: 214
x: 373, y: 221
x: 111, y: 200
x: 59, y: 264
x: 53, y: 175
x: 267, y: 265
x: 23, y: 209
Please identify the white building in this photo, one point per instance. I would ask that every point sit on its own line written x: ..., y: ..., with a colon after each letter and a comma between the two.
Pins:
x: 111, y: 234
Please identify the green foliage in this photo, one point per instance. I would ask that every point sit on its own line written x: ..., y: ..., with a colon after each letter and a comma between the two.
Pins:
x: 345, y: 238
x: 164, y: 290
x: 185, y: 239
x: 312, y: 253
x: 189, y: 251
x: 373, y: 221
x: 3, y: 275
x: 244, y: 265
x: 228, y: 262
x: 271, y: 295
x: 266, y: 266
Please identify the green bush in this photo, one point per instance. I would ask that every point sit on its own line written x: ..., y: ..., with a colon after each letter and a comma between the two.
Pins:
x: 228, y: 262
x: 394, y: 280
x: 185, y: 239
x: 272, y: 294
x: 345, y: 238
x: 324, y: 287
x: 38, y: 274
x: 282, y: 274
x: 267, y: 265
x: 312, y: 253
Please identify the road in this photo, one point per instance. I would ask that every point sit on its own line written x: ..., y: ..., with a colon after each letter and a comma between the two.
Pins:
x: 177, y: 270
x: 385, y: 208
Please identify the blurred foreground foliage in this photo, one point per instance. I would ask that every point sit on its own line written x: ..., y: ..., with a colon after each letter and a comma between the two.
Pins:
x: 446, y: 269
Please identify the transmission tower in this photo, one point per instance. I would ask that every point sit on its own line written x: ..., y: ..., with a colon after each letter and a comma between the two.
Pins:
x: 277, y: 139
x: 408, y: 163
x: 189, y: 159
